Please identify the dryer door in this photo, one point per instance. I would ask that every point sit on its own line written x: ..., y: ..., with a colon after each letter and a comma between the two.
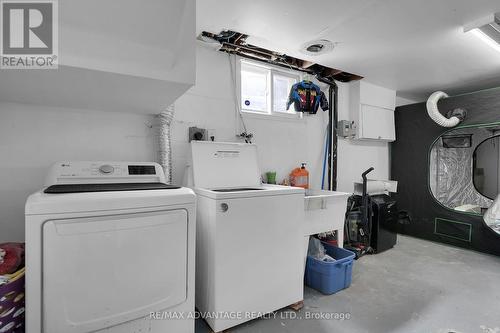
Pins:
x: 102, y: 271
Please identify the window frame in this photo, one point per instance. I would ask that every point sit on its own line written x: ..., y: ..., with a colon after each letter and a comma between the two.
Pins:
x: 273, y: 71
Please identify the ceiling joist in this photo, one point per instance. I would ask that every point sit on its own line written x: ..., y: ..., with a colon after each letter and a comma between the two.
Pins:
x: 235, y: 43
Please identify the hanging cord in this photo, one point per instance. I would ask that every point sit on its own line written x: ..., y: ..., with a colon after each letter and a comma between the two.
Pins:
x: 245, y: 135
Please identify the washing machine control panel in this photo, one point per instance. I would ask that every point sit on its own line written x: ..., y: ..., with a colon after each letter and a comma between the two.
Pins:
x: 97, y: 169
x: 97, y: 172
x: 106, y: 169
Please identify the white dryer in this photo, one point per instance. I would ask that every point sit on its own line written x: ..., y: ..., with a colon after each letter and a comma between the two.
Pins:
x: 109, y: 248
x: 249, y: 239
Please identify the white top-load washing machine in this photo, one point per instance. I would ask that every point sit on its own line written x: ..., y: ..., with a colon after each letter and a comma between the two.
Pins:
x: 109, y: 248
x: 249, y: 238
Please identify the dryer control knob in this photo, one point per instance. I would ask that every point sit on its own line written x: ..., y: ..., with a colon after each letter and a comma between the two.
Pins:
x: 224, y: 207
x: 106, y: 169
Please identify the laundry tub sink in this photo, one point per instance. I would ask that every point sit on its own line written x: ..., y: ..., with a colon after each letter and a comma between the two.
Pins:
x: 324, y: 211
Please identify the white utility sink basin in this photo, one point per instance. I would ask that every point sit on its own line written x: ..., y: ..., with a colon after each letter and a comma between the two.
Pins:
x: 324, y: 211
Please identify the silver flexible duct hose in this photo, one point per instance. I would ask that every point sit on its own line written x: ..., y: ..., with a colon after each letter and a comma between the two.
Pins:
x: 166, y: 117
x: 434, y: 113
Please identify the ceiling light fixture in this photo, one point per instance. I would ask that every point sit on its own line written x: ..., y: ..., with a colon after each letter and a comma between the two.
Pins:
x: 317, y: 47
x: 487, y: 29
x: 485, y: 38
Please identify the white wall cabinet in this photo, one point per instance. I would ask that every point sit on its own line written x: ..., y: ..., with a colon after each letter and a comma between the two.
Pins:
x: 372, y: 110
x: 127, y: 55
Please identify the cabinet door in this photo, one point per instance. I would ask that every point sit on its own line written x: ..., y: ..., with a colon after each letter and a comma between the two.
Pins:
x: 377, y: 123
x: 371, y: 94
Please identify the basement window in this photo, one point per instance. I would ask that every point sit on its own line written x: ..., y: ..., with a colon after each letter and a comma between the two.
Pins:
x: 265, y: 89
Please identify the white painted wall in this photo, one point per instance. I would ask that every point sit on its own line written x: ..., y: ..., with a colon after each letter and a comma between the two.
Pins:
x: 283, y: 144
x: 355, y: 156
x: 34, y: 137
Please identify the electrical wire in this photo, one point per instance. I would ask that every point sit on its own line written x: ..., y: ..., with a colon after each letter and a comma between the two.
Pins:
x: 235, y: 93
x: 283, y: 60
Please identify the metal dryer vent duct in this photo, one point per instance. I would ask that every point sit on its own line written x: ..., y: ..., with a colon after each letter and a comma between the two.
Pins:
x: 165, y: 142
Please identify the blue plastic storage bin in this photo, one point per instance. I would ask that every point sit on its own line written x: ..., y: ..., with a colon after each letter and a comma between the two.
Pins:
x: 330, y: 277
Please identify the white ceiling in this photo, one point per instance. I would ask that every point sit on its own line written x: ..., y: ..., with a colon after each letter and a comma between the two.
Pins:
x: 412, y: 46
x: 142, y: 22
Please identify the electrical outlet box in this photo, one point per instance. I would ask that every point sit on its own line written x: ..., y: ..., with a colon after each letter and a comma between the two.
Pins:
x: 211, y: 134
x: 198, y: 134
x: 346, y: 128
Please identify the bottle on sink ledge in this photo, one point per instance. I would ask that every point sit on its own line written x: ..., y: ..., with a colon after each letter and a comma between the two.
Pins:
x: 299, y: 177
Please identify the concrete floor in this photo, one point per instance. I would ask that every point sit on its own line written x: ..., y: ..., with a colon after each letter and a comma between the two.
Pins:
x: 418, y: 286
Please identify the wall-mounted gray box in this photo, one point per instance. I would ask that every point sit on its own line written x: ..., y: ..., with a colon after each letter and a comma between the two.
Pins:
x: 346, y: 129
x: 198, y: 134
